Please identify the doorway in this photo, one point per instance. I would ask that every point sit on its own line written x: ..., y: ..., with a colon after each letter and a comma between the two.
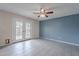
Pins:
x: 23, y: 30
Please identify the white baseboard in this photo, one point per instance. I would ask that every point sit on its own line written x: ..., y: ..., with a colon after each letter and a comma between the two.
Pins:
x: 13, y: 43
x: 17, y: 42
x: 63, y: 42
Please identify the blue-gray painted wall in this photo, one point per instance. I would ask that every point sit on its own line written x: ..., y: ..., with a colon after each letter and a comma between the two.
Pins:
x: 63, y: 28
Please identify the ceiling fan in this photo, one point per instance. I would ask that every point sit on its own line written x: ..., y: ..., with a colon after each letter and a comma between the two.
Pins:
x: 43, y: 12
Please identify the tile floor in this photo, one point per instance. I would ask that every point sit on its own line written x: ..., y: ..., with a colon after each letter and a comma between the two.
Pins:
x: 40, y: 47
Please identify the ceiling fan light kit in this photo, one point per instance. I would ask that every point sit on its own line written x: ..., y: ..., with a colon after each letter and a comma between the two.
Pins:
x: 42, y: 15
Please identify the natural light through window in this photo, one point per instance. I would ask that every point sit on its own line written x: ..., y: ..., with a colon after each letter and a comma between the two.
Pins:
x: 19, y: 29
x: 22, y: 30
x: 27, y: 35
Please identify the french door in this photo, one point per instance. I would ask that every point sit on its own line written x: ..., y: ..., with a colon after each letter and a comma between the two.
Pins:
x: 23, y: 30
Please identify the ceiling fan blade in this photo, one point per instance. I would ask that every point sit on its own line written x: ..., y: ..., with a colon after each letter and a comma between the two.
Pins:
x: 50, y: 12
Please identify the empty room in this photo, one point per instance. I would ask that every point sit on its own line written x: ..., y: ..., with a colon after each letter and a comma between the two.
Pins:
x: 39, y: 29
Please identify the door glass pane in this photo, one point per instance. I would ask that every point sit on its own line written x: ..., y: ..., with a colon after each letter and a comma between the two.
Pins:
x: 27, y: 34
x: 19, y: 30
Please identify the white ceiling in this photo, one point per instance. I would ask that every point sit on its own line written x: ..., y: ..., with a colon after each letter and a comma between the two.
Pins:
x: 27, y: 9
